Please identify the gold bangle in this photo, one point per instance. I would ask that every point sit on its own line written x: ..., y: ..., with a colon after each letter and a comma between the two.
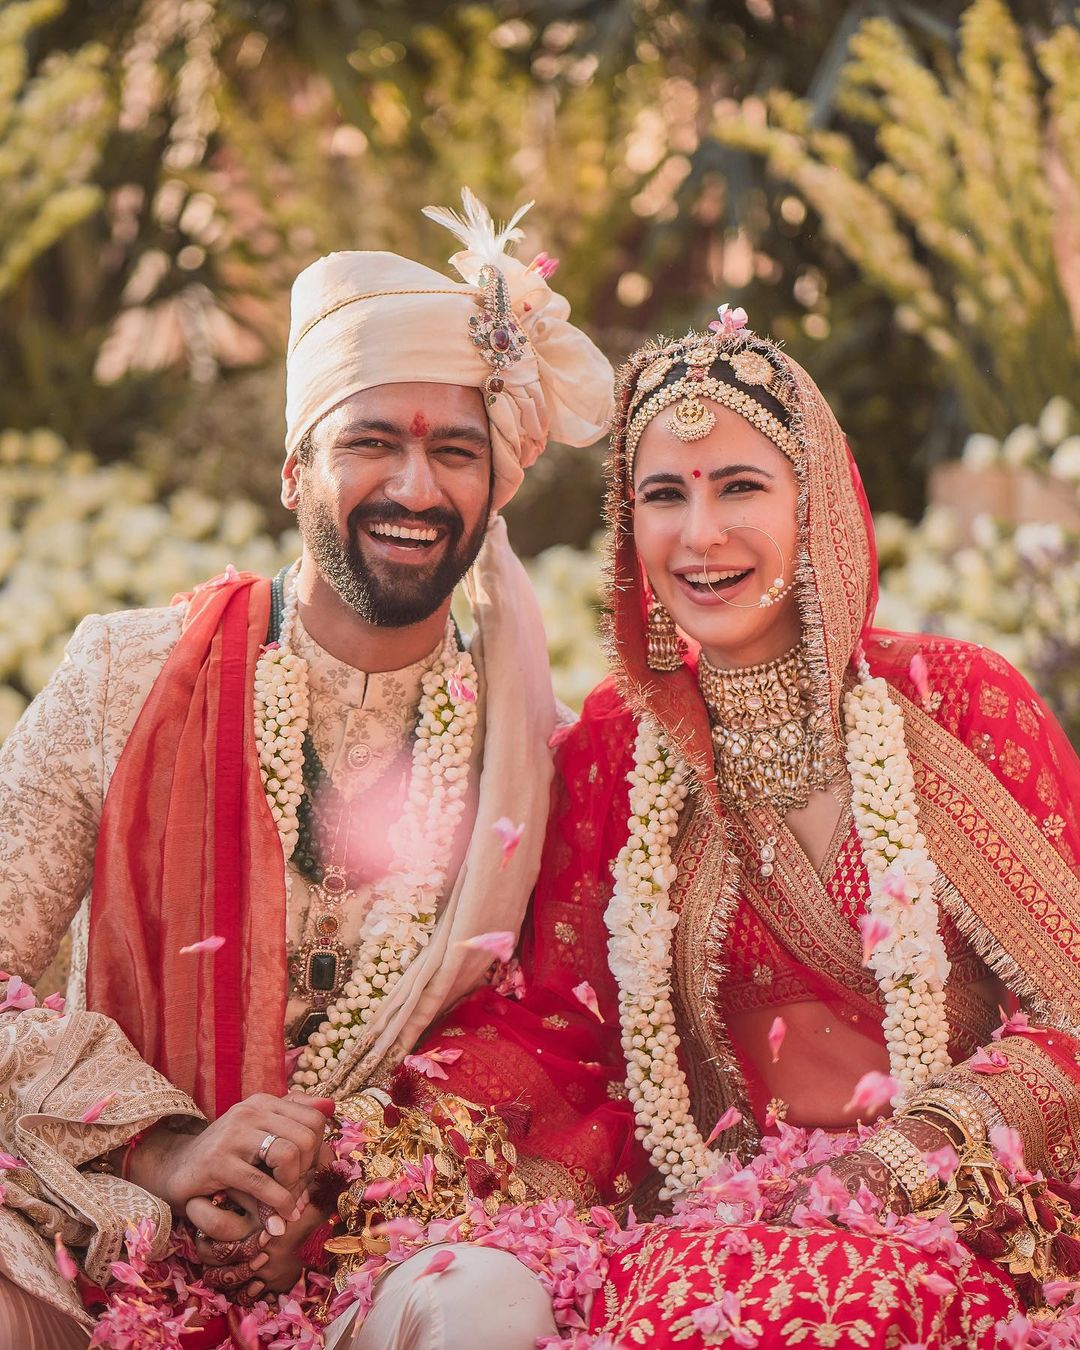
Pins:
x: 906, y: 1163
x: 956, y: 1106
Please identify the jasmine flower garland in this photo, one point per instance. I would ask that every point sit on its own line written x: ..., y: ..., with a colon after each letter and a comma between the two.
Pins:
x: 402, y: 915
x: 906, y: 952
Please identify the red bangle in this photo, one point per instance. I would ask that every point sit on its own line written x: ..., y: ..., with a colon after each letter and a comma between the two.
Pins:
x: 129, y: 1149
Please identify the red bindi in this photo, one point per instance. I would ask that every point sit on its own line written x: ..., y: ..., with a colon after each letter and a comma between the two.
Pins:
x: 696, y: 473
x: 419, y: 425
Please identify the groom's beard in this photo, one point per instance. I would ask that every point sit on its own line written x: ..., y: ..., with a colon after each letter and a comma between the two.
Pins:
x: 388, y: 595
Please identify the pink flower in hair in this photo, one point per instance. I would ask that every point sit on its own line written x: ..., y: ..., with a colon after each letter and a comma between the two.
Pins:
x: 730, y: 321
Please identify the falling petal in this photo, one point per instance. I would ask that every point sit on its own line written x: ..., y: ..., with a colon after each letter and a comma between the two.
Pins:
x: 55, y: 1003
x: 509, y: 836
x: 93, y: 1113
x: 894, y: 885
x: 731, y: 1117
x: 1007, y: 1147
x: 872, y: 1092
x: 920, y: 676
x: 66, y: 1266
x: 499, y: 943
x: 210, y: 944
x: 9, y: 1163
x: 437, y: 1264
x: 874, y: 930
x: 942, y: 1163
x: 777, y: 1032
x: 586, y: 996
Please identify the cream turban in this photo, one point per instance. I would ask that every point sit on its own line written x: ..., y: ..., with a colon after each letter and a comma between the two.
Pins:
x: 365, y: 319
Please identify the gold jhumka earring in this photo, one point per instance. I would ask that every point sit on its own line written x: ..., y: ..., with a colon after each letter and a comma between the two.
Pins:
x: 665, y: 649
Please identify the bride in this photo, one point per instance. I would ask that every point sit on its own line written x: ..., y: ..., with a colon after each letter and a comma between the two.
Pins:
x: 794, y: 868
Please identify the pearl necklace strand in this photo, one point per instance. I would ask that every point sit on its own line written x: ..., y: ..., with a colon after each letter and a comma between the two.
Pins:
x: 402, y: 915
x: 909, y: 960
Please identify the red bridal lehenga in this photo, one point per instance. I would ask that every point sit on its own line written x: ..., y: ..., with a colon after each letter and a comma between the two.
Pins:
x: 986, y: 1255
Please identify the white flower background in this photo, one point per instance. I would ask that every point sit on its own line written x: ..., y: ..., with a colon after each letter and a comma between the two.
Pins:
x: 77, y: 538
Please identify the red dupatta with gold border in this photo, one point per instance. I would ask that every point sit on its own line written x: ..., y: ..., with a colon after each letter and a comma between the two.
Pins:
x: 188, y: 849
x: 1005, y: 842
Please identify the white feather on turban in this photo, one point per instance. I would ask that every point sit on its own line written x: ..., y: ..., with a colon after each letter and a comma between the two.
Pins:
x: 363, y: 319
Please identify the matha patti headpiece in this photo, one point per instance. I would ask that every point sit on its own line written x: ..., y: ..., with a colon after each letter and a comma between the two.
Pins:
x: 732, y: 367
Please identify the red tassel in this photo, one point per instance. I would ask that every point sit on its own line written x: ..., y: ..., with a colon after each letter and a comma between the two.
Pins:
x: 1066, y: 1252
x: 313, y: 1254
x: 517, y: 1117
x: 409, y: 1090
x: 482, y: 1180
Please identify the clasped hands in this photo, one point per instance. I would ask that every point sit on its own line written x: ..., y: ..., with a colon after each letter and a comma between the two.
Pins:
x: 242, y: 1182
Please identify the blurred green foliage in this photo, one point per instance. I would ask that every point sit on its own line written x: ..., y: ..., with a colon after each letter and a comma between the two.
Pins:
x: 169, y: 165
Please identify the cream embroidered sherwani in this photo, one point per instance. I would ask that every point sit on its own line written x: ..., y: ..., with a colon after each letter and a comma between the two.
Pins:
x: 55, y: 771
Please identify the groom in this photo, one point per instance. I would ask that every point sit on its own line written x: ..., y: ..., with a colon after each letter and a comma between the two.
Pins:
x: 281, y: 799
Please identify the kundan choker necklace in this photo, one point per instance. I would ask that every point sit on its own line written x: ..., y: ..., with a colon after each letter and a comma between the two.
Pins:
x: 769, y: 744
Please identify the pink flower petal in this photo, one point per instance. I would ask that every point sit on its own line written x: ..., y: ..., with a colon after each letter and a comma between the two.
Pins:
x: 247, y: 1333
x: 777, y: 1032
x: 18, y: 996
x: 1016, y: 1024
x: 874, y: 930
x: 545, y: 265
x: 1007, y: 1147
x: 1015, y: 1334
x: 893, y: 885
x: 379, y: 1190
x: 509, y: 836
x: 500, y: 943
x: 730, y: 321
x: 438, y: 1264
x: 731, y: 1117
x: 872, y: 1092
x: 920, y: 676
x: 586, y: 996
x: 66, y: 1266
x: 9, y: 1163
x: 55, y: 1003
x: 426, y: 1065
x: 942, y: 1163
x: 1057, y: 1291
x: 93, y: 1113
x: 210, y: 944
x: 459, y: 691
x: 983, y: 1061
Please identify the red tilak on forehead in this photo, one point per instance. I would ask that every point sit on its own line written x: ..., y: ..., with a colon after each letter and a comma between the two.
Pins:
x: 419, y: 426
x: 695, y: 473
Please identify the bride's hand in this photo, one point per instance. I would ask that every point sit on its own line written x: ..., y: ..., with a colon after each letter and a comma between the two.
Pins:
x: 261, y: 1262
